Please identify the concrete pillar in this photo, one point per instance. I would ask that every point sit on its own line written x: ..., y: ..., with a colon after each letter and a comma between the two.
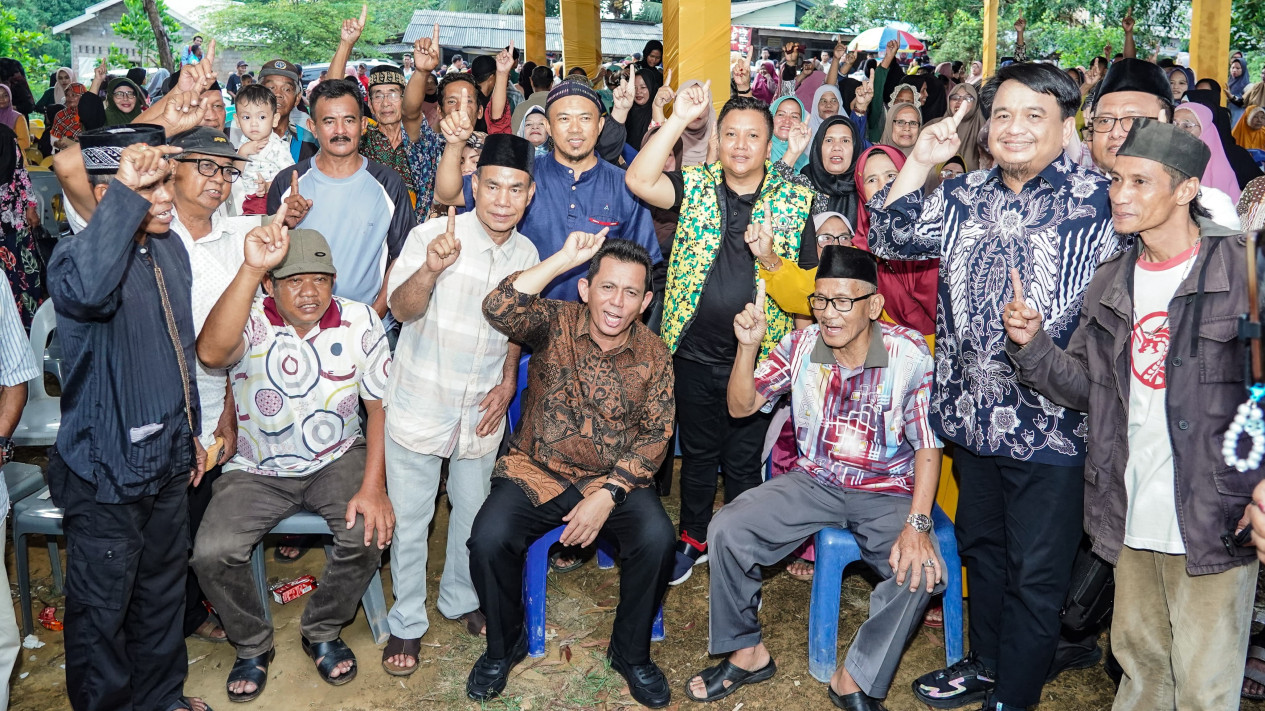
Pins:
x: 1210, y: 38
x: 989, y: 60
x: 534, y: 31
x: 581, y: 35
x: 696, y: 43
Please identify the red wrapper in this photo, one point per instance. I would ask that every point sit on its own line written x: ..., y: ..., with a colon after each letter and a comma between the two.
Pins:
x: 48, y: 618
x: 300, y: 586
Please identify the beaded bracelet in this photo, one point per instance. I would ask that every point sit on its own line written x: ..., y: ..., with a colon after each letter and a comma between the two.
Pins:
x: 1250, y: 420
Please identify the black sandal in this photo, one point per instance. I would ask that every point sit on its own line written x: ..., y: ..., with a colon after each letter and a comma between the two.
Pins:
x: 396, y: 646
x: 714, y: 679
x: 579, y: 556
x: 248, y: 669
x: 331, y: 654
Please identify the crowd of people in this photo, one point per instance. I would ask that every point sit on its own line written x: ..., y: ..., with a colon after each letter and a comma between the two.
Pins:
x: 281, y: 297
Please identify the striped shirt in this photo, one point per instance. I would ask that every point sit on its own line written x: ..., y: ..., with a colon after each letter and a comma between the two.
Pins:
x: 855, y: 428
x: 17, y: 363
x: 448, y: 358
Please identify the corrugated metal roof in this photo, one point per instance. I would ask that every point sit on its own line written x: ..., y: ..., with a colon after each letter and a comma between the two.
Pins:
x: 472, y: 30
x: 746, y: 7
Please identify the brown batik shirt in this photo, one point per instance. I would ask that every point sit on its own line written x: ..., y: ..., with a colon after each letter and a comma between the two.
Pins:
x: 589, y: 416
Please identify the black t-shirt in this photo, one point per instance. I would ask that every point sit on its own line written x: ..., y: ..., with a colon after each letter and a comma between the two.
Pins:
x: 234, y: 84
x: 730, y: 285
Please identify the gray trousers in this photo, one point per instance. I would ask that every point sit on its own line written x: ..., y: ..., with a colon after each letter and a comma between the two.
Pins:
x: 765, y: 524
x: 246, y: 506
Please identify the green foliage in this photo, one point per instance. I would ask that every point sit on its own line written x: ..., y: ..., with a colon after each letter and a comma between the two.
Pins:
x: 41, y: 16
x: 1247, y: 26
x: 650, y: 12
x: 134, y: 26
x: 117, y: 59
x: 825, y: 16
x: 304, y: 31
x: 26, y: 47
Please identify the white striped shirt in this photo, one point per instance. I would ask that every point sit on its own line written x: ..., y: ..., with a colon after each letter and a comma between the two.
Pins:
x: 17, y: 363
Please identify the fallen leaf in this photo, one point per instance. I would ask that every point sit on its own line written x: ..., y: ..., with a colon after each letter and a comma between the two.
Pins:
x: 689, y: 626
x: 195, y: 660
x: 566, y: 652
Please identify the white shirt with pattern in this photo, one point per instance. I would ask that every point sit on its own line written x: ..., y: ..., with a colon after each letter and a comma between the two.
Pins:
x: 298, y: 398
x: 450, y: 357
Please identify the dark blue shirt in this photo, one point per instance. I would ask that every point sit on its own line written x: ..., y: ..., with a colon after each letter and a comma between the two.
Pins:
x: 563, y: 205
x: 124, y: 426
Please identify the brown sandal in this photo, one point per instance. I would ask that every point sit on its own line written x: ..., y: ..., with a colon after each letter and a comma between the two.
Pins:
x: 476, y: 622
x: 396, y: 646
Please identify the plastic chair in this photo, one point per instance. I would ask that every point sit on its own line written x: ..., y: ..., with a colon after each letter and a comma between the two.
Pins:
x: 535, y: 573
x: 836, y: 548
x: 47, y: 194
x: 34, y: 514
x: 515, y: 409
x: 22, y: 480
x: 41, y: 418
x: 306, y: 523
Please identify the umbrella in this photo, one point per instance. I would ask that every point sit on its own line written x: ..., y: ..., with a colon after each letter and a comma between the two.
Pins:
x: 876, y: 39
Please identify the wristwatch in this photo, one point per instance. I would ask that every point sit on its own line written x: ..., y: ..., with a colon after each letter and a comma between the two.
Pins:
x: 6, y: 450
x: 920, y: 522
x: 618, y: 494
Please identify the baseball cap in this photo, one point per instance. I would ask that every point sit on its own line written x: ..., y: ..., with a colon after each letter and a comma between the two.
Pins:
x: 242, y: 63
x: 309, y: 253
x: 280, y: 67
x: 207, y: 141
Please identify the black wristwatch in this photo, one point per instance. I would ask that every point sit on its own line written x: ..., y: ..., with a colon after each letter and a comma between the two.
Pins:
x: 6, y: 450
x: 618, y: 494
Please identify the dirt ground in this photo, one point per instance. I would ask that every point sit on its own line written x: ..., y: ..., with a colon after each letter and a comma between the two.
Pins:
x: 572, y: 675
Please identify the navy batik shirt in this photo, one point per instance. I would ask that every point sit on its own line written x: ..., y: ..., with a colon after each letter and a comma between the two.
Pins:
x: 563, y: 205
x: 124, y: 426
x: 1056, y: 231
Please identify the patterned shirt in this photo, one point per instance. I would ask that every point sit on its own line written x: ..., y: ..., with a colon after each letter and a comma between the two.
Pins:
x: 1056, y: 232
x: 375, y: 146
x: 423, y: 163
x: 298, y: 398
x: 448, y: 358
x: 855, y: 428
x: 589, y: 416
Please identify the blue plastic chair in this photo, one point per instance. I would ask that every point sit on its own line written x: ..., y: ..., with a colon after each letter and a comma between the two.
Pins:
x: 836, y: 548
x: 535, y: 573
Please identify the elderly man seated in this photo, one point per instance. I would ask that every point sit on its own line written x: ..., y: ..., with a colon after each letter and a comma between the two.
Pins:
x: 859, y: 392
x: 300, y: 361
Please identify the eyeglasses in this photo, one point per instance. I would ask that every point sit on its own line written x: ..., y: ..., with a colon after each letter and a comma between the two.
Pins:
x: 1189, y: 126
x: 1105, y: 124
x: 125, y: 95
x: 949, y: 173
x: 844, y: 238
x: 391, y: 94
x: 209, y: 168
x: 902, y: 123
x: 842, y: 304
x: 963, y: 97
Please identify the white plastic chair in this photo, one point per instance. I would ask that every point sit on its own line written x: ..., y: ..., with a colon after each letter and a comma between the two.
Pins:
x: 42, y: 416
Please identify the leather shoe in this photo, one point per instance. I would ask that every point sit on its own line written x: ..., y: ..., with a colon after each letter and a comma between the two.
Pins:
x: 856, y: 701
x: 488, y: 677
x: 646, y: 682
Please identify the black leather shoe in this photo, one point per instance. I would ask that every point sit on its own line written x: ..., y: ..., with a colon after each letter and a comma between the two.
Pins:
x: 856, y: 701
x: 488, y: 677
x: 646, y: 682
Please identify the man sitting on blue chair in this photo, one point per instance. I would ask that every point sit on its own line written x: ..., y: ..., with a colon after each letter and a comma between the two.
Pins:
x: 859, y: 392
x: 301, y: 362
x: 596, y: 418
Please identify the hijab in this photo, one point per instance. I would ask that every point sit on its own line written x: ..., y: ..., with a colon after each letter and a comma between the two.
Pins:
x: 839, y: 190
x: 9, y: 116
x: 1236, y: 86
x: 780, y: 146
x: 1246, y: 136
x: 944, y: 71
x: 908, y: 287
x: 1218, y: 174
x: 1245, y: 167
x: 547, y: 146
x: 10, y: 156
x: 937, y: 105
x: 814, y: 121
x: 976, y: 77
x: 640, y: 116
x: 891, y: 119
x: 651, y: 45
x: 694, y: 140
x: 969, y: 128
x: 1190, y: 78
x: 59, y: 94
x: 113, y: 116
x: 91, y: 111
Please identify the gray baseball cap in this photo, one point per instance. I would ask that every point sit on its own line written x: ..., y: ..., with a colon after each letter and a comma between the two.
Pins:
x: 309, y: 253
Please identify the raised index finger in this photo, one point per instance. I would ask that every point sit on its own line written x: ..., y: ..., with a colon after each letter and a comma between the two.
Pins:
x: 364, y: 14
x: 668, y: 82
x: 435, y: 37
x: 294, y: 183
x: 1016, y: 285
x: 759, y: 294
x: 210, y: 53
x: 452, y: 220
x: 960, y: 114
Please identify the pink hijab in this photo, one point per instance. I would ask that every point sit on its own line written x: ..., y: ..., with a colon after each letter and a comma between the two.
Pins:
x: 9, y: 116
x: 1218, y: 174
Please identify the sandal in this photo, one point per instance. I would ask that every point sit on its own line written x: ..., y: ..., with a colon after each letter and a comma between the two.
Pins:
x: 1255, y: 651
x: 252, y: 669
x: 575, y: 553
x: 476, y: 623
x: 396, y: 646
x: 191, y: 704
x: 934, y: 617
x: 209, y: 634
x: 714, y: 679
x: 303, y: 543
x: 331, y: 654
x: 806, y: 577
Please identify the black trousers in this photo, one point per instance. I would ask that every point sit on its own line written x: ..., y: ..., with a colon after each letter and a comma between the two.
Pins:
x: 508, y: 524
x: 125, y: 586
x: 710, y: 438
x: 195, y: 606
x: 1018, y: 527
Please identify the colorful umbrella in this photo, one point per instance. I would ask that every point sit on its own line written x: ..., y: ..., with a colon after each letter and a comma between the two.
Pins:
x: 876, y: 39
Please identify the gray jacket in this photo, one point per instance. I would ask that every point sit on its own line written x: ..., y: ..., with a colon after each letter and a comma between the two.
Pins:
x: 1205, y: 385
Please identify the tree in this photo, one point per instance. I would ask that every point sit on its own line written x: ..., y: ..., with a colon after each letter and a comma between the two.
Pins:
x: 825, y: 16
x: 1247, y: 26
x: 302, y: 31
x: 158, y: 24
x: 135, y: 26
x: 23, y: 46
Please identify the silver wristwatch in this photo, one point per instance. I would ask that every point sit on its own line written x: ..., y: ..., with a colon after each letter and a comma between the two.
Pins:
x: 920, y: 522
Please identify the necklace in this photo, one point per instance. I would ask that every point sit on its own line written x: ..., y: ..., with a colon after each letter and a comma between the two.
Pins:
x: 1250, y: 420
x: 1163, y: 325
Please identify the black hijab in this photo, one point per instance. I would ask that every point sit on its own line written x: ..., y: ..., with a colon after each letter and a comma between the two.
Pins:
x: 640, y: 117
x: 10, y: 158
x: 937, y: 105
x: 1245, y: 168
x: 848, y: 91
x: 840, y: 190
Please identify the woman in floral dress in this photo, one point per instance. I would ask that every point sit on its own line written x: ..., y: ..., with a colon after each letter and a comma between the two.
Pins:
x: 19, y: 219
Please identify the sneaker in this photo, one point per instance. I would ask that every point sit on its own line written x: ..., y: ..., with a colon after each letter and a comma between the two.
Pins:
x: 689, y: 553
x: 965, y: 682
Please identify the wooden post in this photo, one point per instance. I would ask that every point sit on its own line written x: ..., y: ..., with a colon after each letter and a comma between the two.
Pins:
x: 582, y: 35
x: 1210, y: 38
x: 160, y: 35
x: 989, y: 60
x: 534, y: 31
x: 696, y: 43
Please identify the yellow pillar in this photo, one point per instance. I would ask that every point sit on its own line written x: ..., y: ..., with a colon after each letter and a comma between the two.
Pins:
x: 696, y: 43
x: 534, y: 31
x: 989, y: 60
x: 1210, y: 38
x: 582, y: 35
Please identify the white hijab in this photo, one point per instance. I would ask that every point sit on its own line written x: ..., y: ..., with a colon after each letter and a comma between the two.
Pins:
x: 59, y: 93
x: 813, y: 119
